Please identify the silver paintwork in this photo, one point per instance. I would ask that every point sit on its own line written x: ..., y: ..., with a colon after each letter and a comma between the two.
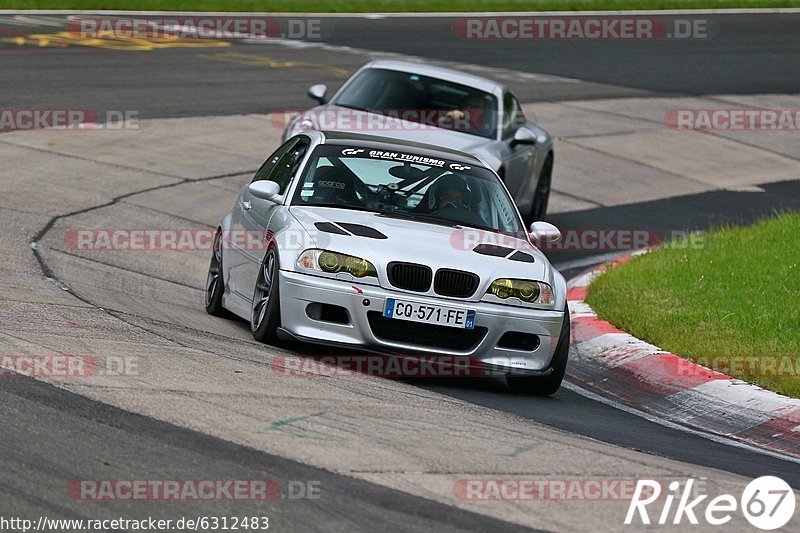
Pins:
x: 520, y: 165
x: 290, y: 229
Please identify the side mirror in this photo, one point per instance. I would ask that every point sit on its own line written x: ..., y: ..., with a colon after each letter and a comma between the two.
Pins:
x: 318, y: 92
x: 264, y: 189
x: 545, y: 232
x: 523, y: 136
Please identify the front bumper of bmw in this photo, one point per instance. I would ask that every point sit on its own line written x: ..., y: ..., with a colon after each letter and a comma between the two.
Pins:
x: 346, y: 313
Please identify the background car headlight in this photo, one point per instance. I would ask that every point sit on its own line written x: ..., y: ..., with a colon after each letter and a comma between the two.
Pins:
x: 299, y: 124
x: 526, y: 290
x: 334, y: 262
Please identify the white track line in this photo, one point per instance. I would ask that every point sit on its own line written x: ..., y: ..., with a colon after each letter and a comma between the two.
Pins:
x: 673, y: 425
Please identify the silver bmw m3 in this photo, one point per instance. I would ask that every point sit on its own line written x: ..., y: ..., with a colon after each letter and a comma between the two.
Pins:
x: 396, y: 247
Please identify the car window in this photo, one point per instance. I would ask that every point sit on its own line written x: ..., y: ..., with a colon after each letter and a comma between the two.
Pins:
x: 286, y: 167
x: 264, y: 172
x: 406, y: 185
x: 422, y: 99
x: 283, y: 163
x: 513, y: 118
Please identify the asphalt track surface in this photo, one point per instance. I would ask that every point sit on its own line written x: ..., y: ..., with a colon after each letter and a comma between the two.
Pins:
x: 52, y: 434
x: 744, y: 54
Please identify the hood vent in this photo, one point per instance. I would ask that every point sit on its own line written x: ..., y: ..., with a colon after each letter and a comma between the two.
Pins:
x: 493, y: 250
x: 522, y: 257
x: 353, y: 229
x: 362, y: 231
x: 328, y: 227
x: 501, y: 251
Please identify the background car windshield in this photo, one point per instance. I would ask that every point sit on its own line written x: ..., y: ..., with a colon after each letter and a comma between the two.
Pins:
x: 446, y: 193
x: 422, y: 99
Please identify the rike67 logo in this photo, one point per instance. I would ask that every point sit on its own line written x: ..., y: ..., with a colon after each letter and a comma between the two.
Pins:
x: 767, y: 502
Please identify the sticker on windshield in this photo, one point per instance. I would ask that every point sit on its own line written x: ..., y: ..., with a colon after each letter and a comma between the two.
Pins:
x: 329, y: 184
x: 406, y: 158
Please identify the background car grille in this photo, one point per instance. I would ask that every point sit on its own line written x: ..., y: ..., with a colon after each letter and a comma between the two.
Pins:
x: 410, y: 276
x: 424, y: 335
x: 455, y: 283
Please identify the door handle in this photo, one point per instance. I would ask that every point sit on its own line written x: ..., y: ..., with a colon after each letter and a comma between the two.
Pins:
x: 247, y: 206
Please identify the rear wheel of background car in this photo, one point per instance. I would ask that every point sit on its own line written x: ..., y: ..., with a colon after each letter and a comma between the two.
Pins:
x: 546, y: 385
x: 215, y: 285
x: 542, y: 194
x: 265, y: 313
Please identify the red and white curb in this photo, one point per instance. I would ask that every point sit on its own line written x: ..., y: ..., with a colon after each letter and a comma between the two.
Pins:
x: 640, y: 375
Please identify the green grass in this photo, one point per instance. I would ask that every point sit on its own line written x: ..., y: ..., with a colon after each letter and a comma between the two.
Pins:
x: 334, y: 6
x: 736, y: 295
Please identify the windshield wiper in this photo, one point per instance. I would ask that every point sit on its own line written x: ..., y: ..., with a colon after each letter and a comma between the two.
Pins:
x: 420, y: 218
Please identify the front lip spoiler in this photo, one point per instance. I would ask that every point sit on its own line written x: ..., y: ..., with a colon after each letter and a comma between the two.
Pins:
x: 485, y: 369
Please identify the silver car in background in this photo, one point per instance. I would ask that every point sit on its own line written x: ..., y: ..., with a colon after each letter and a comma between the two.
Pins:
x: 398, y: 247
x: 464, y: 112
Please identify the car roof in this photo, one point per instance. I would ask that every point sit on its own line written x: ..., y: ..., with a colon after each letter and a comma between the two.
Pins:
x: 448, y: 74
x: 383, y: 143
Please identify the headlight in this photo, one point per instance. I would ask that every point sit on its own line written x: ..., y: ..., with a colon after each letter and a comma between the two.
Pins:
x: 334, y: 262
x: 526, y: 290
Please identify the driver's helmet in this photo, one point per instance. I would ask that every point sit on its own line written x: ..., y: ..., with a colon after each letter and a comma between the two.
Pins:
x: 450, y: 190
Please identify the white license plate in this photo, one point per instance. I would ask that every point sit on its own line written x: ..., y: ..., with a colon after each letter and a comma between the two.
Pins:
x: 429, y: 314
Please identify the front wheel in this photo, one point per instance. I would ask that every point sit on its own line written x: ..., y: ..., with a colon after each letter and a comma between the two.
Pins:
x: 542, y: 194
x: 215, y: 285
x: 546, y: 385
x: 265, y: 313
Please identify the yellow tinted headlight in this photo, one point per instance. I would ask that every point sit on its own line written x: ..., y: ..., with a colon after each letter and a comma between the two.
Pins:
x: 334, y: 262
x: 502, y: 288
x: 358, y: 267
x: 330, y: 262
x: 526, y: 290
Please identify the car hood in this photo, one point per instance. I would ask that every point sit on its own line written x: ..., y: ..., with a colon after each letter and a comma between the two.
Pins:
x: 348, y: 120
x: 434, y: 245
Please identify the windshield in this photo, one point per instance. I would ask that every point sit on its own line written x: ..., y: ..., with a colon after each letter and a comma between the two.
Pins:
x: 422, y: 99
x: 405, y: 185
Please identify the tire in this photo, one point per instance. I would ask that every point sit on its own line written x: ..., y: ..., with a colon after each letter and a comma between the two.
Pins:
x: 215, y: 283
x: 542, y: 194
x: 546, y: 385
x: 265, y: 312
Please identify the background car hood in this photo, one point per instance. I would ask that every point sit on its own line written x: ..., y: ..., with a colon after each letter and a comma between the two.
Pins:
x: 347, y: 120
x: 421, y: 242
